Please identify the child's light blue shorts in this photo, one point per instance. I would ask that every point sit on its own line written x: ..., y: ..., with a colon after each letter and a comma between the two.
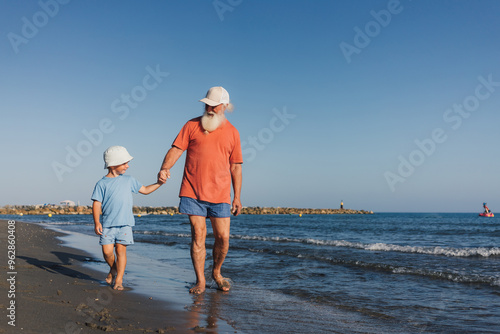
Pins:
x: 194, y: 207
x: 117, y: 235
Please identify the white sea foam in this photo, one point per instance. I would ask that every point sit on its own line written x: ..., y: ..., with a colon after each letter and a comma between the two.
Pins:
x: 167, y: 234
x: 450, y: 276
x: 383, y: 247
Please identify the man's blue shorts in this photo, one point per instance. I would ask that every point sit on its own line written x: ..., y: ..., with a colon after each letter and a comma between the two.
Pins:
x: 194, y: 207
x: 117, y: 235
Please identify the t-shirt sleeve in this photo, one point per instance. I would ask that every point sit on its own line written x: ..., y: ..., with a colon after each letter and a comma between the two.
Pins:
x: 182, y: 139
x: 236, y: 156
x: 98, y: 193
x: 135, y: 185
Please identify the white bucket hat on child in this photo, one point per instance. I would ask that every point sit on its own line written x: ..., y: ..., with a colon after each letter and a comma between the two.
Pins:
x: 215, y: 96
x: 115, y: 156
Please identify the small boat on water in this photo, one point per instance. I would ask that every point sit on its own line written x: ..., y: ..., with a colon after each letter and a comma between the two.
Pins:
x: 486, y: 212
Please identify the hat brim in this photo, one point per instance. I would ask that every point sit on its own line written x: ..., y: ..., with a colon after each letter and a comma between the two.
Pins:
x: 118, y: 163
x: 211, y: 103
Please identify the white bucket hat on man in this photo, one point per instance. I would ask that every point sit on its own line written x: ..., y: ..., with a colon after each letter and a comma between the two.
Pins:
x: 215, y: 96
x: 115, y: 156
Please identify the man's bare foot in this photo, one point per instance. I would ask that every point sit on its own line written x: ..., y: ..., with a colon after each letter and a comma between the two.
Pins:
x: 118, y: 284
x: 197, y: 289
x: 224, y: 284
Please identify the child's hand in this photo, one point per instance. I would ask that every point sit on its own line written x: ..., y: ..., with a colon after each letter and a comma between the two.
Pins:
x: 98, y: 229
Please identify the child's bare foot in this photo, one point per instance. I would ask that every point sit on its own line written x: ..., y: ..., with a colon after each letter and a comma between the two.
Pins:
x: 111, y: 276
x: 197, y: 289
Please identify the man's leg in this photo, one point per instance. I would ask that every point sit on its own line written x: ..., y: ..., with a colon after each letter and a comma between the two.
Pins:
x: 121, y: 263
x: 221, y: 228
x: 198, y: 251
x: 108, y: 251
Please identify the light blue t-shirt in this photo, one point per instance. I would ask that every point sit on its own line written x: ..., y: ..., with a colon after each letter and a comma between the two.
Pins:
x: 115, y: 194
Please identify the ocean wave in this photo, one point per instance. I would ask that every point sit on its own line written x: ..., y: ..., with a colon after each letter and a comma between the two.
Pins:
x: 373, y: 247
x: 162, y: 233
x: 447, y: 251
x: 383, y: 247
x: 450, y: 276
x: 435, y: 274
x: 467, y: 278
x: 62, y: 223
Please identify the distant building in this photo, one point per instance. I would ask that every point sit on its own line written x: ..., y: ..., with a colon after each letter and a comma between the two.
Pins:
x: 67, y: 203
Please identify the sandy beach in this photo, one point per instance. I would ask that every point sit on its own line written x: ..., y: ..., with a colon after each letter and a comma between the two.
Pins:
x: 49, y: 290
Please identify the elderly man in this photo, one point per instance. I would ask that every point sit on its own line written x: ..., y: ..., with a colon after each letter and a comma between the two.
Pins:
x: 213, y: 162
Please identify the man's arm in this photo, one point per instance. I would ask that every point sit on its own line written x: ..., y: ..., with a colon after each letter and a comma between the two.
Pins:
x: 96, y: 213
x: 168, y: 162
x: 236, y: 177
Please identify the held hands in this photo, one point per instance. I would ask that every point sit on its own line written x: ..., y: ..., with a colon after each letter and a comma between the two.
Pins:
x: 163, y: 175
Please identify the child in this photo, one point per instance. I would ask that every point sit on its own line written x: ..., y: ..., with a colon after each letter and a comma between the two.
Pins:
x: 113, y: 196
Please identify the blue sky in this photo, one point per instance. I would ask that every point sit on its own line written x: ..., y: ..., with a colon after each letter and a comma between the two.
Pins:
x: 386, y: 105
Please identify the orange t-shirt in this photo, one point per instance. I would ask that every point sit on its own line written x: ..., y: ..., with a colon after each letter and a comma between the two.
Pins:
x: 207, y: 174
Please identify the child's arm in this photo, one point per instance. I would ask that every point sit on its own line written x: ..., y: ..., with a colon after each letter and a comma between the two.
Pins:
x: 146, y: 190
x: 96, y: 212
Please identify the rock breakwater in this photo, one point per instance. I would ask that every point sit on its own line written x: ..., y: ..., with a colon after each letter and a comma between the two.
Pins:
x: 166, y: 210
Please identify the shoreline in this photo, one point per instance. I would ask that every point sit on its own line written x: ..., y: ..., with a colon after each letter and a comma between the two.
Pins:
x: 49, y: 278
x: 21, y: 210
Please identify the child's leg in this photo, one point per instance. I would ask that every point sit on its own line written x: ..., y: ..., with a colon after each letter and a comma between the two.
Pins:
x: 121, y: 263
x: 108, y: 251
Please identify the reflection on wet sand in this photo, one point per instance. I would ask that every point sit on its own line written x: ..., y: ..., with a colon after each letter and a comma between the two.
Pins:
x: 205, y: 311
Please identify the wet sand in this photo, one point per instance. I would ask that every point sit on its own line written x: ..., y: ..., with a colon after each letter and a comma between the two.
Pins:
x: 51, y: 291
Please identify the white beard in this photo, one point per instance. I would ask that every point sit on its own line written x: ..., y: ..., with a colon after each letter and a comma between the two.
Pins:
x: 211, y: 121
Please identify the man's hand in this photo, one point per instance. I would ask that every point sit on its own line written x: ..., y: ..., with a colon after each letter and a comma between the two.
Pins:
x: 236, y: 208
x: 163, y: 175
x: 236, y: 179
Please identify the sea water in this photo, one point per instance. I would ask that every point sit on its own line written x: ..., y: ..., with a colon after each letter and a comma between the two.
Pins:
x: 380, y: 273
